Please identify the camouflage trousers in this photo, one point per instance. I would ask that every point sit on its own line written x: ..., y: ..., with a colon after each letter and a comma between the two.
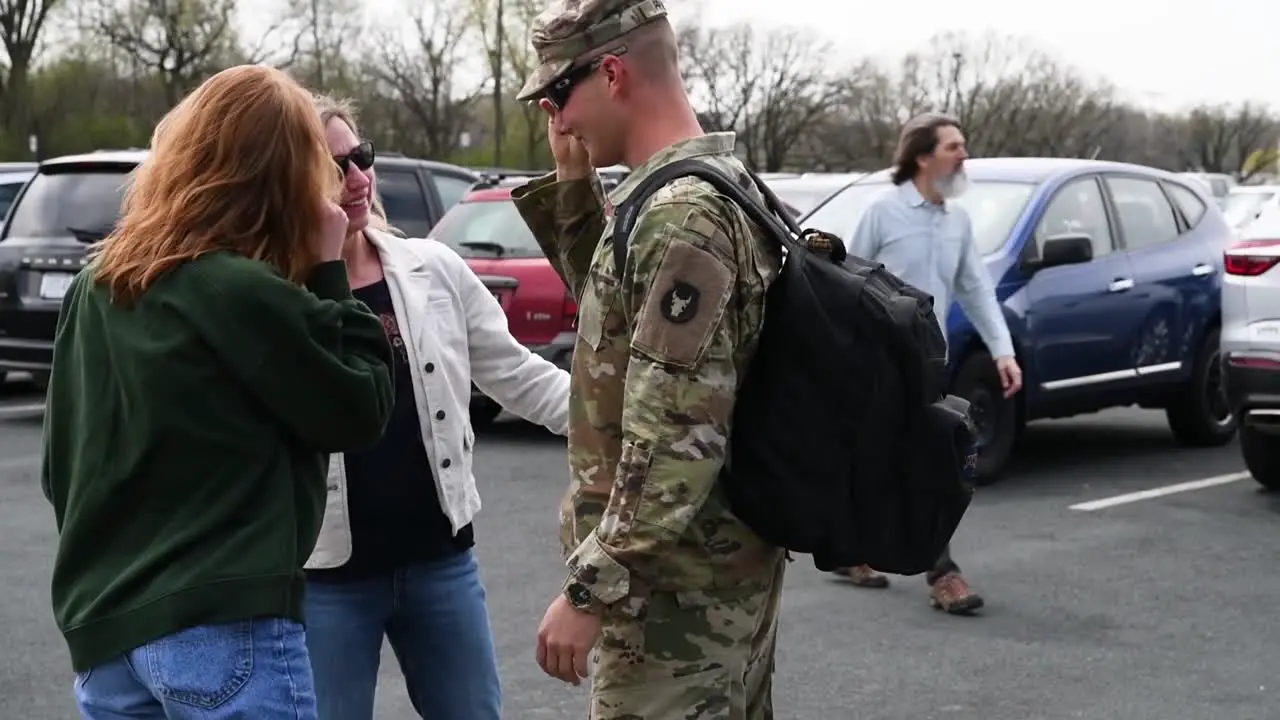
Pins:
x: 687, y: 657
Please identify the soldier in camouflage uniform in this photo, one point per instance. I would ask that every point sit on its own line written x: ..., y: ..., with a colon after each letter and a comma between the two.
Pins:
x: 677, y: 597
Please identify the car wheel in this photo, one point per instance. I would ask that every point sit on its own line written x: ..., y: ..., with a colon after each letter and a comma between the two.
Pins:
x: 1261, y: 456
x: 1199, y: 416
x: 994, y: 415
x: 483, y: 413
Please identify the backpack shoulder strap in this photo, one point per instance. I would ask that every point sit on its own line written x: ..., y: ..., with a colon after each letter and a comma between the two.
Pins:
x: 771, y: 215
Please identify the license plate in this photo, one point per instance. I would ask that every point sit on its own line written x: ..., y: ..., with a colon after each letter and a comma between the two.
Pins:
x: 53, y: 285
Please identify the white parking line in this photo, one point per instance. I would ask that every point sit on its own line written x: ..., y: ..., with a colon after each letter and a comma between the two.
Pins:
x: 1159, y: 492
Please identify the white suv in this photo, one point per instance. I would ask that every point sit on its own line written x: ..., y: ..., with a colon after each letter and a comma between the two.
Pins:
x: 1250, y: 344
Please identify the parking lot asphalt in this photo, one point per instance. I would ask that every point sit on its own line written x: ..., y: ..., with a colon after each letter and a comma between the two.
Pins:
x: 1150, y: 608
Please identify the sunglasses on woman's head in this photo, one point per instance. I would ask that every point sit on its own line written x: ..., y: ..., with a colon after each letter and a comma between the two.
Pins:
x: 361, y: 156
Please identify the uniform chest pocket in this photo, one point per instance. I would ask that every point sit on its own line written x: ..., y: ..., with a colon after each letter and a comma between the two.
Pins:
x: 599, y: 297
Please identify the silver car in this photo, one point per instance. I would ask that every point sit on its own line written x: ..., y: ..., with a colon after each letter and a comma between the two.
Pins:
x: 1250, y: 344
x: 802, y: 193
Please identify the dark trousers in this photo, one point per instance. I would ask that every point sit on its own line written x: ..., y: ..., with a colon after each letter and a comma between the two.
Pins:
x: 944, y: 565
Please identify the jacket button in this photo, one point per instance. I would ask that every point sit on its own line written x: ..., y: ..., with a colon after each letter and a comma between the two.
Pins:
x: 439, y: 414
x: 429, y: 367
x: 445, y: 463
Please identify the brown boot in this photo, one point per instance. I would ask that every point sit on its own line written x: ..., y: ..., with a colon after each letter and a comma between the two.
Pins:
x: 951, y: 594
x: 863, y: 576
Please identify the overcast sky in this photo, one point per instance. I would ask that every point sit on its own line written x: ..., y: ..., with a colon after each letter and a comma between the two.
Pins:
x: 1169, y: 53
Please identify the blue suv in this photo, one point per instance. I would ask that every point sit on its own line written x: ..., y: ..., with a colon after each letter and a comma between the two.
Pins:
x: 1109, y: 275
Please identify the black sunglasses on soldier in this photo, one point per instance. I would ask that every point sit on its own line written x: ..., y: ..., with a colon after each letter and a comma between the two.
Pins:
x: 361, y: 156
x: 559, y: 92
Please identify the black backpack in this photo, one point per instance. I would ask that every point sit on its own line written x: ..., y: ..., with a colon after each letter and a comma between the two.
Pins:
x: 844, y: 444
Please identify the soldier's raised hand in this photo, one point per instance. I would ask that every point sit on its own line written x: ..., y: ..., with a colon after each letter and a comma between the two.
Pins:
x: 572, y: 160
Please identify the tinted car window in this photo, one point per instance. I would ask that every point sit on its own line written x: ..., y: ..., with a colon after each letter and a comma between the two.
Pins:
x: 1145, y: 216
x: 1192, y: 207
x: 86, y: 202
x: 404, y: 201
x: 1077, y: 209
x: 487, y: 229
x: 993, y: 209
x: 7, y: 193
x: 451, y: 189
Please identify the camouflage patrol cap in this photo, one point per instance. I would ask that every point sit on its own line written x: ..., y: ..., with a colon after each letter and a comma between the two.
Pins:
x: 571, y: 29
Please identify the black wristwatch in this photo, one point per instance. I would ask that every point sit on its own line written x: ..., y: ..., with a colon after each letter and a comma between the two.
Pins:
x: 579, y: 595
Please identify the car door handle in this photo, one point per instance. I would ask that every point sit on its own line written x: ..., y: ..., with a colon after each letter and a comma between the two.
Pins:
x: 1120, y: 285
x: 1202, y: 270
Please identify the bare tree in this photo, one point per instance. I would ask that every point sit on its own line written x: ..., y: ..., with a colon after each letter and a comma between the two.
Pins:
x: 859, y: 129
x: 791, y: 94
x: 317, y: 37
x: 511, y: 58
x: 1222, y: 138
x: 20, y: 24
x: 719, y: 69
x: 180, y: 41
x: 768, y: 87
x: 422, y: 73
x: 1052, y: 111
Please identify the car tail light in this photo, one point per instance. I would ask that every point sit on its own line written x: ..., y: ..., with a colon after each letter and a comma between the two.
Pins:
x: 1251, y: 258
x: 1254, y: 360
x: 569, y: 313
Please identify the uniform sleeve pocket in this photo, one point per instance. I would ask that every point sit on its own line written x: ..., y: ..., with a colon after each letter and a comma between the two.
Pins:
x: 598, y: 298
x: 684, y: 306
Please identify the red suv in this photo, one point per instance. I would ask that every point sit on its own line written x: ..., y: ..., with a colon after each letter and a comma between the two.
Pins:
x: 486, y: 230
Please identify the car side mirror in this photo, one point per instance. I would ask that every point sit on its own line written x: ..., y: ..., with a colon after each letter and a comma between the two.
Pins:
x: 1066, y: 249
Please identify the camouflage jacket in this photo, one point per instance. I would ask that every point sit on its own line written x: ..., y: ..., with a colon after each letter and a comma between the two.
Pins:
x: 656, y: 367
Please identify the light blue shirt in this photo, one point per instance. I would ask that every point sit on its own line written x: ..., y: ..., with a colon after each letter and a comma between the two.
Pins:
x: 931, y: 247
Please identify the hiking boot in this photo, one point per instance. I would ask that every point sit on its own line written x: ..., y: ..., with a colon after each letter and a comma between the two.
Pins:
x: 951, y: 594
x: 863, y: 576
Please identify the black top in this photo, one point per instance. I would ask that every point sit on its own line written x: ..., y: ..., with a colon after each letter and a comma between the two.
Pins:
x: 394, y: 509
x: 186, y: 440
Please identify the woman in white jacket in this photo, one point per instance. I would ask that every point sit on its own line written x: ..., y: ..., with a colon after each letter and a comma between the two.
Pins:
x: 394, y: 555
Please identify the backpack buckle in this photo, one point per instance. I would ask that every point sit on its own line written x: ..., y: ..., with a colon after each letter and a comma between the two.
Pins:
x: 824, y: 243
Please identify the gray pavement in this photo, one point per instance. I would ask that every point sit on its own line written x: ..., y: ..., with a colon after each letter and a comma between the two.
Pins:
x: 1155, y: 609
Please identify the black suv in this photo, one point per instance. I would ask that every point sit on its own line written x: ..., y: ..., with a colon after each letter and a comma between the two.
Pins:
x: 74, y: 201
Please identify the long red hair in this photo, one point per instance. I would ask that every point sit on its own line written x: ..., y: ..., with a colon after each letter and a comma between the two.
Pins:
x: 241, y: 164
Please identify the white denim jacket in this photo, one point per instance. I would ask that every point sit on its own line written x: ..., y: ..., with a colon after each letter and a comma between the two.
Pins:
x: 455, y: 333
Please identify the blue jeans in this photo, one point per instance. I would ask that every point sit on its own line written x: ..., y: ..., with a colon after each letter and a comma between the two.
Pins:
x: 435, y: 617
x: 247, y: 669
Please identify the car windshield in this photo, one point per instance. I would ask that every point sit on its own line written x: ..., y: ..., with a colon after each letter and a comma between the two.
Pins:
x: 487, y: 228
x: 993, y: 207
x: 1243, y: 207
x: 80, y: 204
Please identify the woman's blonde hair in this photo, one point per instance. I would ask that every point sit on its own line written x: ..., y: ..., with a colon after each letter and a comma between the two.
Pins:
x: 331, y: 108
x: 241, y: 164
